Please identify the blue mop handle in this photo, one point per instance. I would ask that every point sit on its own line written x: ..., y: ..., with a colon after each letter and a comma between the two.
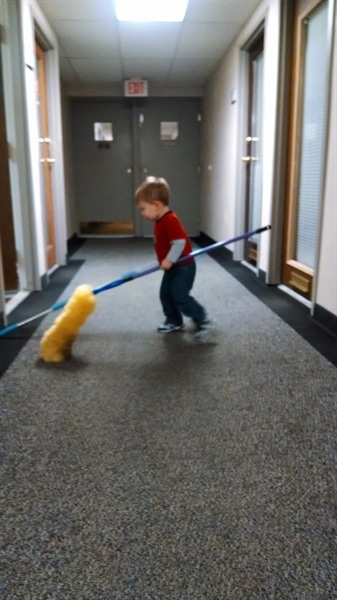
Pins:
x: 15, y: 326
x: 146, y: 271
x: 130, y: 276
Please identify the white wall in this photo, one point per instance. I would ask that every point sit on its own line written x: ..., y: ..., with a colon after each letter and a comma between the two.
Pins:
x: 71, y: 206
x: 219, y: 152
x: 223, y: 136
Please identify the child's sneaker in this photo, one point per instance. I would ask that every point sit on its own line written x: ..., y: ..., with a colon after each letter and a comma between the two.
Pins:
x: 169, y: 327
x: 203, y: 330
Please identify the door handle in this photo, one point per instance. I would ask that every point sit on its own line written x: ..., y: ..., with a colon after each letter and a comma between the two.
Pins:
x: 129, y: 170
x: 248, y: 159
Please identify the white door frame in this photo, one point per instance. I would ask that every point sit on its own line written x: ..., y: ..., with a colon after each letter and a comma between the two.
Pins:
x: 33, y: 21
x: 240, y: 215
x: 18, y: 149
x: 19, y: 21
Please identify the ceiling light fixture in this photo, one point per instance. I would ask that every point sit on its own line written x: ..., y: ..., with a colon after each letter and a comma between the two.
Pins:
x: 151, y: 10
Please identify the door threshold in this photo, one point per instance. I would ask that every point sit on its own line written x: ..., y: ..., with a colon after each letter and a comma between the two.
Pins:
x: 52, y: 269
x: 295, y: 295
x: 15, y: 301
x: 249, y: 266
x: 97, y: 236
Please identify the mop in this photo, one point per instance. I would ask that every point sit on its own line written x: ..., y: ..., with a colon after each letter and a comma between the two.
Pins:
x: 56, y: 343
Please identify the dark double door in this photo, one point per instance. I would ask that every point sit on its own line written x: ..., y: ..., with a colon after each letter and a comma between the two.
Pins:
x: 134, y: 140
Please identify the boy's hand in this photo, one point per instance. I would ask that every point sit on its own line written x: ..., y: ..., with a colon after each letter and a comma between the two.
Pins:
x: 166, y: 264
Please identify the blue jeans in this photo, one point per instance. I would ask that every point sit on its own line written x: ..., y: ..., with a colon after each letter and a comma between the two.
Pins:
x: 175, y: 295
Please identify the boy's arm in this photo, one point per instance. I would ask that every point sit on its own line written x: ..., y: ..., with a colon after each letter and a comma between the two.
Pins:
x: 177, y: 247
x: 176, y: 250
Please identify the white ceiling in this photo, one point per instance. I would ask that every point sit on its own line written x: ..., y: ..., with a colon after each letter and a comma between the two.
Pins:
x: 97, y: 51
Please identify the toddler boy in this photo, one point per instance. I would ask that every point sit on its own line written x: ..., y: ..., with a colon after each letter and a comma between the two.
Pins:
x: 171, y: 244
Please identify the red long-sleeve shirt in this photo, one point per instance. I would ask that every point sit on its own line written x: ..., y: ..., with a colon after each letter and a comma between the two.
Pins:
x: 167, y: 229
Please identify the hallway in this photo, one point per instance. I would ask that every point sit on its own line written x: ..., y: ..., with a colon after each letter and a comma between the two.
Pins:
x: 151, y: 467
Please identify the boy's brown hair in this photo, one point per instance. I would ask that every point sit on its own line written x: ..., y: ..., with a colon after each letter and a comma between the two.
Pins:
x: 154, y: 188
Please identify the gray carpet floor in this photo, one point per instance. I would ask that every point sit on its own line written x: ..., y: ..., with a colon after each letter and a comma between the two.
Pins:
x: 152, y: 466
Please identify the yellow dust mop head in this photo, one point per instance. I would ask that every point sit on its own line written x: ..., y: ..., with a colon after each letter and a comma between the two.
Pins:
x: 58, y: 339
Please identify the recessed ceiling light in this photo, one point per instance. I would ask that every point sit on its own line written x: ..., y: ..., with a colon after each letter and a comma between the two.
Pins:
x: 151, y: 10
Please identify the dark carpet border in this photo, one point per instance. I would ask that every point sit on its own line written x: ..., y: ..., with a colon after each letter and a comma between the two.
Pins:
x: 36, y: 302
x: 291, y: 311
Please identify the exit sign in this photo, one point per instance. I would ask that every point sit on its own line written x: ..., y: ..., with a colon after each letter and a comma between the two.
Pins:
x: 135, y: 88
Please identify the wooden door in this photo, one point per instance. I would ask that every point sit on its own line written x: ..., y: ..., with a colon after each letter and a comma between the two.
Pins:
x: 307, y: 144
x: 46, y: 153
